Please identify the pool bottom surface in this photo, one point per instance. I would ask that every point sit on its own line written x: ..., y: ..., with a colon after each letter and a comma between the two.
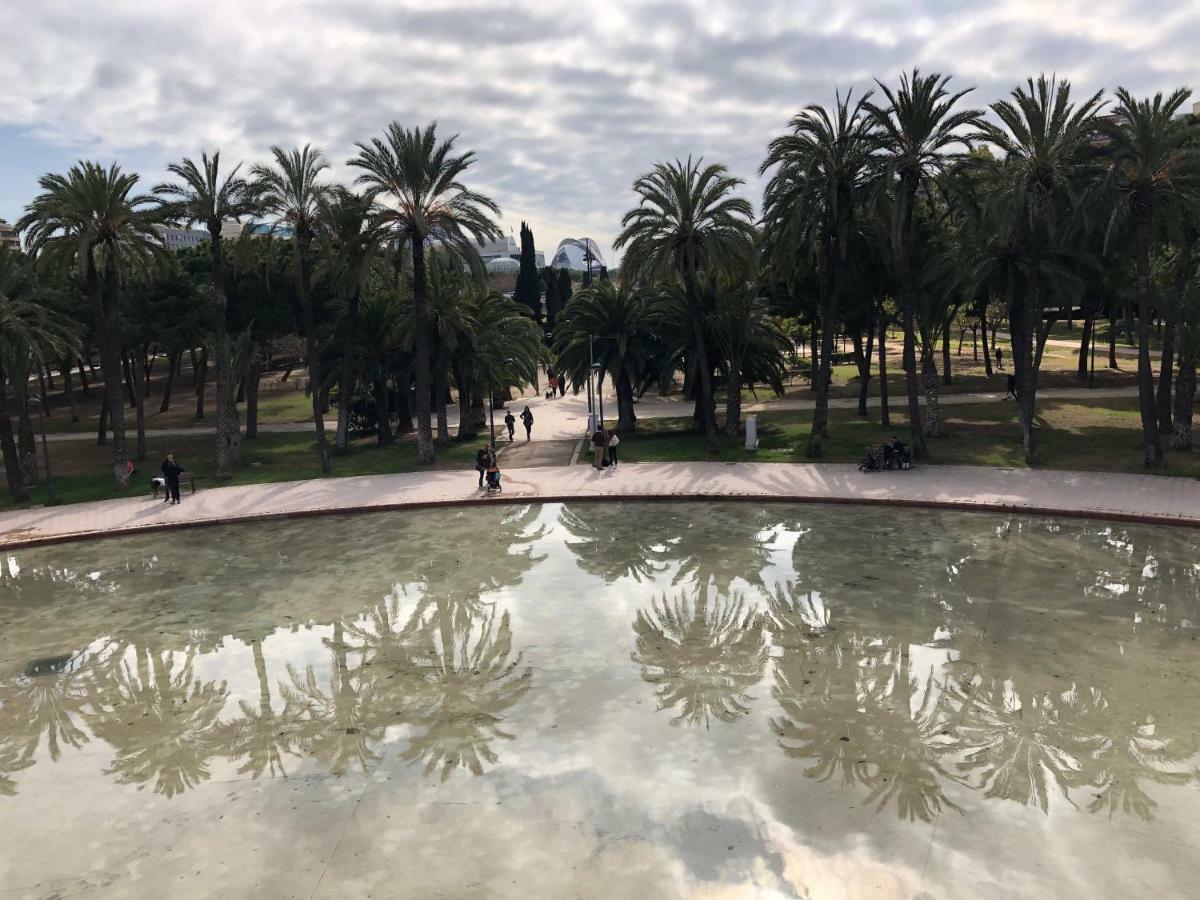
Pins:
x: 616, y: 699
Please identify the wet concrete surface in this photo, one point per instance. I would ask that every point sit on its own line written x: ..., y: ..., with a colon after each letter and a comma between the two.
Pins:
x: 617, y: 700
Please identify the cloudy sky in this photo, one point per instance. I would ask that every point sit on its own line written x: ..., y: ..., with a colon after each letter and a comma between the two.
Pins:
x: 565, y: 103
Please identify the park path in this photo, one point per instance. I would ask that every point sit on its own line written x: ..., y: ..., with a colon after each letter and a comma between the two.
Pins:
x: 1142, y: 498
x: 565, y: 418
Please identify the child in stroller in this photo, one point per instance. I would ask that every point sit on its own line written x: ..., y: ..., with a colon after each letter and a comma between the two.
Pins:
x: 493, y: 478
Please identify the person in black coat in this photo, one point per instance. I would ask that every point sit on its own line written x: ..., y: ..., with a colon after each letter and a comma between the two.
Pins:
x: 527, y: 421
x: 171, y: 471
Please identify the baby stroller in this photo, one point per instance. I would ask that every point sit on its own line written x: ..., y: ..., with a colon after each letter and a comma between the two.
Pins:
x: 493, y: 479
x: 871, y: 463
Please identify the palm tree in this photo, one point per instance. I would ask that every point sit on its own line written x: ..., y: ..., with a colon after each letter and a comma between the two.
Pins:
x: 688, y: 221
x: 1155, y: 175
x: 203, y: 197
x: 920, y: 127
x: 292, y: 191
x: 353, y: 238
x: 90, y: 222
x: 30, y: 335
x: 1043, y: 139
x: 422, y: 178
x: 381, y: 334
x: 824, y: 169
x: 622, y: 316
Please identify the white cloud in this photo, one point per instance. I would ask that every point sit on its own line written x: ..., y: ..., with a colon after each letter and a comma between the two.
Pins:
x: 564, y: 102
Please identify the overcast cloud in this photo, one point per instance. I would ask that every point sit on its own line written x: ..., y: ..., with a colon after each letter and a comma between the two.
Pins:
x: 565, y: 103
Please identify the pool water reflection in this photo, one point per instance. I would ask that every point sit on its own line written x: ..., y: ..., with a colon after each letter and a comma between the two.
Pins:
x: 606, y: 699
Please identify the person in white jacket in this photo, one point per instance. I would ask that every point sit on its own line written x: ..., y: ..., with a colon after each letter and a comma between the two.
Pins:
x: 613, y: 443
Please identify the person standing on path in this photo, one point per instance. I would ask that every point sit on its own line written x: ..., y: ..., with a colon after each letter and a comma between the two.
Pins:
x: 999, y: 359
x: 562, y: 384
x: 613, y: 443
x: 171, y: 471
x: 1012, y: 388
x: 527, y: 421
x: 599, y: 443
x: 511, y: 424
x: 481, y: 461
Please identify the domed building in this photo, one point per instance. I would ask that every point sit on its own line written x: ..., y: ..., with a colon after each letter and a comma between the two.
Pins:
x: 502, y: 265
x: 572, y: 253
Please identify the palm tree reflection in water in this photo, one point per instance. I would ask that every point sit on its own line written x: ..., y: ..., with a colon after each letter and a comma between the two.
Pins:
x: 704, y: 655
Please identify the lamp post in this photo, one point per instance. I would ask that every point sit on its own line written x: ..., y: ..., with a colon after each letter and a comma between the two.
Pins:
x: 599, y: 395
x: 1092, y: 341
x: 50, y: 500
x: 587, y: 259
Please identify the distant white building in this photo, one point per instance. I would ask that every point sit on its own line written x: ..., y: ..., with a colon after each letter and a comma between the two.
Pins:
x: 180, y: 238
x: 572, y: 253
x: 9, y: 237
x: 505, y: 247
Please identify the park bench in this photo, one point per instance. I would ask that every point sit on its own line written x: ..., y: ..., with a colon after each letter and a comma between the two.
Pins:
x: 186, y: 480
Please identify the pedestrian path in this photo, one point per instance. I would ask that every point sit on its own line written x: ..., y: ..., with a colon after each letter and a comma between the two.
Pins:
x: 565, y: 418
x: 1141, y: 498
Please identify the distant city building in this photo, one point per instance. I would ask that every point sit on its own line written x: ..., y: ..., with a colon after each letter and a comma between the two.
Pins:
x: 231, y: 230
x: 505, y: 248
x: 572, y: 254
x: 498, y: 265
x: 180, y: 238
x: 9, y: 237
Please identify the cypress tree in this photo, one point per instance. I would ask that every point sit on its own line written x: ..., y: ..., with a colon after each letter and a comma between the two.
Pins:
x: 549, y: 277
x: 529, y: 287
x: 564, y: 287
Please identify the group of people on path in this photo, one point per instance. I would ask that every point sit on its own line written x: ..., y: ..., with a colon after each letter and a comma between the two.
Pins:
x: 511, y: 424
x: 604, y: 447
x: 555, y: 381
x: 894, y: 454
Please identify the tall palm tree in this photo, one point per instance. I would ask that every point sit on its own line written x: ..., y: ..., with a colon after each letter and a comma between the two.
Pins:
x: 352, y: 237
x: 824, y: 169
x: 622, y: 316
x: 1043, y: 139
x: 920, y: 127
x: 688, y: 221
x: 90, y: 223
x: 422, y: 178
x: 380, y: 335
x: 203, y: 197
x: 1155, y: 175
x: 30, y: 334
x: 292, y: 191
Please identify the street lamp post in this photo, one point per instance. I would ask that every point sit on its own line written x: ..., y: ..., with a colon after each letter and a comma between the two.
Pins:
x: 599, y: 391
x: 587, y: 259
x: 1092, y: 341
x: 50, y: 501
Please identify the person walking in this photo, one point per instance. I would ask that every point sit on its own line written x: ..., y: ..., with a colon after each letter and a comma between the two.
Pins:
x: 1011, y: 391
x: 171, y: 471
x: 511, y: 424
x: 999, y: 359
x: 527, y: 421
x: 562, y: 384
x: 613, y: 443
x: 599, y: 444
x: 481, y: 461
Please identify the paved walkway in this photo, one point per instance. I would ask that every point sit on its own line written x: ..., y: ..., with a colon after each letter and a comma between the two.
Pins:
x: 1142, y: 498
x: 565, y: 418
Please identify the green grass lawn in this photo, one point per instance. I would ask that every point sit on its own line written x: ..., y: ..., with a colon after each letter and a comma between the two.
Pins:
x: 82, y: 470
x: 1101, y: 436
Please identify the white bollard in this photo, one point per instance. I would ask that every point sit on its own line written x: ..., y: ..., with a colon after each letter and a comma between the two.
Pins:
x: 751, y: 432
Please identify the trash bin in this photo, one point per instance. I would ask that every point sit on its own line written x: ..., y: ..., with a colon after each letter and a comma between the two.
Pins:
x: 751, y: 432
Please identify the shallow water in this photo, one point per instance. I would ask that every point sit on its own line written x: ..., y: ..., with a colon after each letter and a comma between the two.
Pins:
x: 610, y: 699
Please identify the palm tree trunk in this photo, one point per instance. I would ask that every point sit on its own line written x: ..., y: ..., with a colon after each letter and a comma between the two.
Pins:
x: 311, y: 358
x: 43, y: 396
x: 383, y: 425
x: 422, y: 362
x: 814, y: 354
x: 820, y: 421
x: 102, y: 426
x: 201, y: 379
x: 172, y: 368
x: 933, y: 412
x: 229, y: 430
x: 907, y: 306
x: 69, y: 390
x: 440, y: 390
x: 1085, y: 344
x: 1112, y: 343
x: 127, y: 374
x: 139, y: 390
x: 987, y: 351
x: 253, y: 380
x: 466, y: 430
x: 708, y: 416
x: 12, y: 465
x: 885, y: 413
x: 733, y: 399
x: 864, y: 357
x: 346, y: 374
x: 626, y: 418
x: 946, y: 351
x: 1185, y: 403
x: 1150, y: 437
x: 26, y: 442
x: 108, y: 338
x: 1166, y: 369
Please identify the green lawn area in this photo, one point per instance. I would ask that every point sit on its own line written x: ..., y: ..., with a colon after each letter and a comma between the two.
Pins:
x: 82, y: 470
x: 1101, y: 435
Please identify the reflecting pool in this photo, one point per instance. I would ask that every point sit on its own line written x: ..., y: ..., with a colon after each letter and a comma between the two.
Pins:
x: 609, y: 699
